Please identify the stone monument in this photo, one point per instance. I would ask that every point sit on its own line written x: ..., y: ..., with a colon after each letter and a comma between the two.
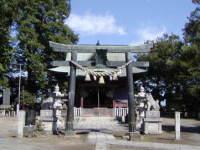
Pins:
x: 6, y: 96
x: 5, y: 108
x: 148, y: 118
x: 58, y: 120
x: 141, y: 106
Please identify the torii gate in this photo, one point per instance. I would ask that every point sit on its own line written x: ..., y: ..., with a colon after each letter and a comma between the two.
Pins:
x: 74, y: 49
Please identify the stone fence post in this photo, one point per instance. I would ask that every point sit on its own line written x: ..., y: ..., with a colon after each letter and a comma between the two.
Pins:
x: 177, y: 125
x: 20, y: 123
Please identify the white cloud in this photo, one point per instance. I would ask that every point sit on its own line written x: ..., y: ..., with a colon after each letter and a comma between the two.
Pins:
x: 149, y: 33
x: 91, y: 24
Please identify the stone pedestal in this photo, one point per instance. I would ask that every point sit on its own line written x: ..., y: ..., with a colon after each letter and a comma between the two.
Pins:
x: 49, y: 123
x: 46, y: 116
x: 152, y: 122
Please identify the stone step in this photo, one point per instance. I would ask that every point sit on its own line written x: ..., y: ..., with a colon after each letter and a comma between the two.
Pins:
x: 97, y: 112
x: 98, y: 123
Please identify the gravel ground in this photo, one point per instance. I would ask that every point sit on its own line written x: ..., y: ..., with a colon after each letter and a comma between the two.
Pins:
x: 45, y: 143
x: 8, y: 141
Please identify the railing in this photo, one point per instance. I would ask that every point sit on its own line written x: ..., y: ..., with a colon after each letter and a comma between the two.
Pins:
x: 119, y: 112
x: 7, y: 113
x: 77, y: 112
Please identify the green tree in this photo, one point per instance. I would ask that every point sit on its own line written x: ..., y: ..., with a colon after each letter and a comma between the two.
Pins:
x: 7, y: 15
x: 27, y: 99
x: 192, y: 28
x: 175, y: 67
x: 196, y: 1
x: 38, y: 22
x: 165, y: 71
x: 191, y: 59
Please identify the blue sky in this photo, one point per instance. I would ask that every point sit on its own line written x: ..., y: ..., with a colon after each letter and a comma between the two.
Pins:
x: 128, y: 21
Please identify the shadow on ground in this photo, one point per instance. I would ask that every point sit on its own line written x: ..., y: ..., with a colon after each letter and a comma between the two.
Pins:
x: 170, y: 128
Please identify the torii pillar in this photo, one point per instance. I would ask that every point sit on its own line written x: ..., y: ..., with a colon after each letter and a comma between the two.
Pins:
x: 131, y: 102
x: 72, y: 87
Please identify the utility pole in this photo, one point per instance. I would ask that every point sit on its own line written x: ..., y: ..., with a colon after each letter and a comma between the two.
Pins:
x: 19, y: 90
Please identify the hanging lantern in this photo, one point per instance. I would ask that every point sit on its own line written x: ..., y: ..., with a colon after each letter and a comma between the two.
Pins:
x: 101, y: 80
x: 94, y: 77
x: 87, y: 77
x: 115, y: 77
x: 111, y: 78
x: 109, y: 94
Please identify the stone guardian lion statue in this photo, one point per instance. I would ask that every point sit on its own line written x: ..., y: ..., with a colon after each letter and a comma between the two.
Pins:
x: 151, y: 103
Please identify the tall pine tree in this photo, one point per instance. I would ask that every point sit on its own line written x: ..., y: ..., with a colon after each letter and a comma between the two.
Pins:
x: 191, y: 59
x: 38, y: 22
